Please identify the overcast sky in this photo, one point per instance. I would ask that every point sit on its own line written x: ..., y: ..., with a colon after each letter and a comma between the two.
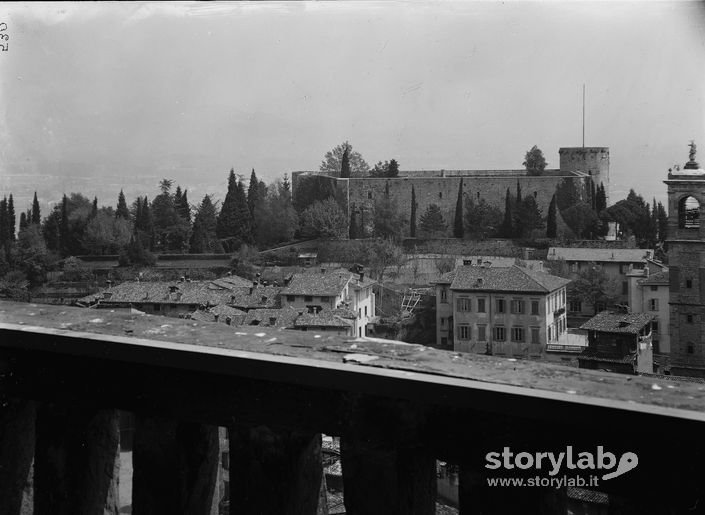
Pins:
x: 144, y: 88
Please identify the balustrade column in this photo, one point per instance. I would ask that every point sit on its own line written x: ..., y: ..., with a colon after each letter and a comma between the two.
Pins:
x: 17, y: 419
x: 275, y: 471
x: 76, y: 465
x: 175, y: 466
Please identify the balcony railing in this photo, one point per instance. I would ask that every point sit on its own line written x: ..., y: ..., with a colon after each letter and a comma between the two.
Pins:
x: 396, y: 407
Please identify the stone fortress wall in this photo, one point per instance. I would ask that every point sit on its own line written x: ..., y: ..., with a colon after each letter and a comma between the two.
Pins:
x: 440, y: 187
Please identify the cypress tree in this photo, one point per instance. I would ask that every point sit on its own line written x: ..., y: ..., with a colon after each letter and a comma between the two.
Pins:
x: 518, y: 199
x: 4, y: 226
x: 243, y: 216
x: 94, y: 210
x: 36, y: 213
x: 345, y: 164
x: 600, y: 199
x: 458, y: 229
x: 177, y: 198
x: 122, y: 211
x: 593, y: 195
x: 507, y: 228
x: 184, y: 209
x: 412, y: 224
x: 23, y: 221
x: 227, y: 219
x: 203, y: 238
x: 11, y: 217
x: 551, y: 226
x: 253, y: 193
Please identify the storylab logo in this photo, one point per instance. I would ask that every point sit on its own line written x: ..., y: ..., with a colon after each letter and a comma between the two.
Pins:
x: 600, y: 464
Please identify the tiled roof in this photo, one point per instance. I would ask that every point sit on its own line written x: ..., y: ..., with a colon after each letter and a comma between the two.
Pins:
x: 600, y: 255
x: 321, y: 319
x: 657, y: 278
x: 232, y: 281
x: 133, y: 292
x: 510, y: 279
x: 283, y: 317
x: 225, y: 311
x: 610, y: 322
x: 324, y: 283
x: 258, y: 297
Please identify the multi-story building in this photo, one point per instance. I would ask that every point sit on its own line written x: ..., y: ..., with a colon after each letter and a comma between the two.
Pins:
x: 686, y: 259
x: 618, y: 342
x: 616, y: 264
x: 509, y: 311
x: 330, y: 290
x: 649, y: 293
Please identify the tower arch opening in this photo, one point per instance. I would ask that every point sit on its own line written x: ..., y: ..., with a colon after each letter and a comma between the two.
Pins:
x: 689, y: 213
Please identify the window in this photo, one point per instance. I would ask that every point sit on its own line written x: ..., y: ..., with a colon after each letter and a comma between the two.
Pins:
x: 550, y: 333
x: 517, y: 334
x: 359, y: 312
x: 369, y: 194
x: 654, y: 287
x: 688, y: 283
x: 625, y: 287
x: 480, y: 305
x: 500, y: 306
x: 653, y: 304
x: 574, y: 267
x: 365, y: 310
x: 291, y: 298
x: 517, y: 306
x: 690, y: 348
x: 481, y: 333
x: 443, y: 321
x: 308, y: 298
x: 444, y: 296
x: 500, y: 334
x: 444, y: 341
x: 654, y: 326
x: 534, y: 307
x: 463, y: 304
x: 689, y: 318
x: 534, y: 335
x: 575, y: 306
x: 157, y: 307
x: 689, y: 213
x: 463, y: 332
x: 440, y: 194
x: 600, y: 306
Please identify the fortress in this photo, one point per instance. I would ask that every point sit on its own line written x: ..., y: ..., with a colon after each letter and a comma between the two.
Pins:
x: 579, y: 165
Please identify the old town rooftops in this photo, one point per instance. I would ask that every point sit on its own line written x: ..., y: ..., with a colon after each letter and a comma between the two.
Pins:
x: 324, y: 282
x: 654, y: 279
x: 611, y: 322
x: 591, y: 255
x: 505, y: 279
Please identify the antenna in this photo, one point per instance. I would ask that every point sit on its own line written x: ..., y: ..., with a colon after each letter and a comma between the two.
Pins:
x: 583, y: 115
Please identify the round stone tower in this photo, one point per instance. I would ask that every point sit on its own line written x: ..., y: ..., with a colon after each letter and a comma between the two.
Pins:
x: 594, y: 161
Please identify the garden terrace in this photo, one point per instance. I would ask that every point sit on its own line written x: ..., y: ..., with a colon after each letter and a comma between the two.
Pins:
x: 397, y: 408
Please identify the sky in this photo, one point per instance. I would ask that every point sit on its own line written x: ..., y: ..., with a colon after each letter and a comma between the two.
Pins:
x: 191, y: 90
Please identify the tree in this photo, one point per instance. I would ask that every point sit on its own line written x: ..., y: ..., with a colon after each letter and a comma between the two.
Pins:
x: 278, y: 210
x: 482, y: 219
x: 36, y: 213
x: 551, y: 223
x: 414, y: 206
x: 227, y: 219
x: 386, y: 169
x: 4, y: 223
x: 172, y: 232
x: 135, y: 254
x: 64, y: 230
x: 122, y: 211
x: 528, y: 217
x: 23, y: 221
x: 534, y: 161
x: 106, y: 234
x: 662, y: 223
x: 633, y: 216
x: 592, y: 285
x: 388, y: 221
x: 332, y: 162
x: 204, y: 237
x: 312, y: 188
x: 582, y: 220
x: 144, y: 225
x: 32, y: 255
x: 507, y: 230
x: 253, y: 193
x: 432, y: 221
x: 324, y: 219
x: 458, y: 229
x: 94, y: 207
x: 345, y: 164
x: 11, y: 221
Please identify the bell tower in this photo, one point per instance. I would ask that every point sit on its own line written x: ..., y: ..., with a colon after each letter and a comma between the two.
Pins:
x: 686, y: 258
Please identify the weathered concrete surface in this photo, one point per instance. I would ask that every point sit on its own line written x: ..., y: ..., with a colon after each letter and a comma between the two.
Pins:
x: 630, y: 392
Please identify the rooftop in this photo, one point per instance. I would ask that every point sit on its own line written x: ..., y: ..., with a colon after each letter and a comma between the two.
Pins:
x: 610, y: 322
x: 600, y: 255
x: 657, y: 278
x: 323, y: 282
x: 508, y: 279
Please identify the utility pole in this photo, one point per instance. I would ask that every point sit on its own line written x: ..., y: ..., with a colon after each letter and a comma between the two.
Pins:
x: 583, y: 115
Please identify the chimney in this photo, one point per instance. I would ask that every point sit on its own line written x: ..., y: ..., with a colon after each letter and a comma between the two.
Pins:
x: 272, y: 320
x: 362, y: 273
x: 323, y: 270
x: 216, y: 315
x: 480, y: 281
x: 182, y: 279
x: 179, y: 295
x: 228, y: 320
x: 108, y: 283
x: 229, y: 273
x: 264, y: 299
